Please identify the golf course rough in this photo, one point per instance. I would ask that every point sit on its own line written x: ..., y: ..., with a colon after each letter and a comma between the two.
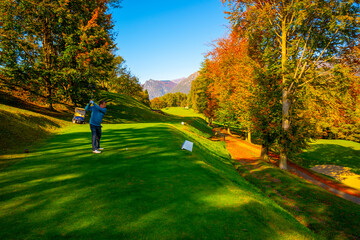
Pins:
x: 153, y: 190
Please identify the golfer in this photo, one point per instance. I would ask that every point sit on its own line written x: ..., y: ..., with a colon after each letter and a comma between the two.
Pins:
x: 97, y: 114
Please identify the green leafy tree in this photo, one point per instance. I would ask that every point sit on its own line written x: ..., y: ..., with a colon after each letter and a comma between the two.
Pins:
x: 174, y: 99
x: 56, y: 49
x: 88, y: 56
x: 335, y: 104
x: 123, y: 81
x: 199, y: 90
x: 29, y: 43
x: 303, y: 35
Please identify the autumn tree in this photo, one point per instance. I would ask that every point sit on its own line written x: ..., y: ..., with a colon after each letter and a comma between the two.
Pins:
x: 88, y: 47
x: 232, y: 73
x: 157, y: 103
x: 56, y: 49
x: 335, y: 105
x: 203, y: 98
x: 305, y: 35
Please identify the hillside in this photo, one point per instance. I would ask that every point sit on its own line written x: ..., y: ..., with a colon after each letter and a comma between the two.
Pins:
x: 185, y: 85
x: 142, y: 186
x: 22, y: 123
x: 125, y: 109
x: 157, y: 88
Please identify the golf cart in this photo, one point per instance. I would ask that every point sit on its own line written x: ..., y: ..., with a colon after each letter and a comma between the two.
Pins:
x: 79, y: 116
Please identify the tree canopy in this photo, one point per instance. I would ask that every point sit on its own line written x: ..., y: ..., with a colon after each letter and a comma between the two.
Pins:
x: 287, y: 71
x: 62, y: 50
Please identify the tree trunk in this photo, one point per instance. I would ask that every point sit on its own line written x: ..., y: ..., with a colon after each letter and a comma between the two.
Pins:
x: 51, y: 107
x: 49, y: 51
x: 285, y: 126
x: 248, y: 138
x: 210, y: 121
x: 285, y: 97
x: 229, y: 131
x: 283, y: 161
x: 264, y: 152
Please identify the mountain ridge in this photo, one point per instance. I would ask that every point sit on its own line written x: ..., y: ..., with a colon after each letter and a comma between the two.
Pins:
x: 158, y: 88
x: 185, y: 85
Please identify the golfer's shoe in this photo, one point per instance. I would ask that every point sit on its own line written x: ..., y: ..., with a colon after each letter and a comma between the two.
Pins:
x: 100, y: 149
x: 96, y: 151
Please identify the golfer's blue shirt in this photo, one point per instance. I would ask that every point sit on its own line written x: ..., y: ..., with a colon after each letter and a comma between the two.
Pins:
x: 97, y: 114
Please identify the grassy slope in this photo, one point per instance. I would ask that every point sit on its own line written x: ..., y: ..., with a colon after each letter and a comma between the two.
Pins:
x: 327, y: 215
x: 20, y: 128
x: 180, y: 111
x: 124, y: 109
x: 22, y: 124
x: 332, y: 152
x: 153, y: 190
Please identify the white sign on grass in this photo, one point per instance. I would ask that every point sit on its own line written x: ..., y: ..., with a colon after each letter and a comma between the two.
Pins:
x: 187, y: 145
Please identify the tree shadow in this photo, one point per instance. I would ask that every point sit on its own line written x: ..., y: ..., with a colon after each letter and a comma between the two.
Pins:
x: 331, y: 154
x: 153, y: 190
x: 10, y: 100
x: 19, y: 129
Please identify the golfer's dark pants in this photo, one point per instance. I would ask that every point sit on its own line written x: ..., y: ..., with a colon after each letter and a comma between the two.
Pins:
x: 96, y: 135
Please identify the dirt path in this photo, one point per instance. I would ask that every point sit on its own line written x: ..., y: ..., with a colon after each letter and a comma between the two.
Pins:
x: 249, y: 154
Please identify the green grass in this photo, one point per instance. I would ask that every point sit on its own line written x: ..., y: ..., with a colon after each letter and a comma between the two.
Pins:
x: 20, y: 128
x: 329, y: 216
x: 190, y: 118
x: 23, y: 124
x: 181, y: 111
x: 153, y: 190
x: 141, y: 187
x: 125, y: 109
x: 332, y: 152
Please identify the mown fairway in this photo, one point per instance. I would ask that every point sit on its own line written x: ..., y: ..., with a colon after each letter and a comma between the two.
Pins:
x: 153, y: 190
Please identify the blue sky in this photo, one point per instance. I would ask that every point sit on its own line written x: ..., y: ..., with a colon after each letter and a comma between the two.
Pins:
x: 165, y: 40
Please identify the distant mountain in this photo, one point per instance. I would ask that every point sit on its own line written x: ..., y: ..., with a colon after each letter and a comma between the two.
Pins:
x: 158, y: 88
x: 184, y: 86
x: 178, y: 80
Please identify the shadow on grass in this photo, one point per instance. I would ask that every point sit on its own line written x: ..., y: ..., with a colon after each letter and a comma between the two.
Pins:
x: 331, y: 154
x: 18, y: 130
x: 152, y: 190
x: 7, y: 99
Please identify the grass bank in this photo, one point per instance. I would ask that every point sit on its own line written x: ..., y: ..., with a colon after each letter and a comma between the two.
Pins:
x: 141, y: 187
x: 20, y: 129
x: 329, y: 216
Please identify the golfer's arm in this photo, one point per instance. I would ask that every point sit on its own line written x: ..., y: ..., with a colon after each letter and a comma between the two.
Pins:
x: 103, y: 110
x: 88, y: 108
